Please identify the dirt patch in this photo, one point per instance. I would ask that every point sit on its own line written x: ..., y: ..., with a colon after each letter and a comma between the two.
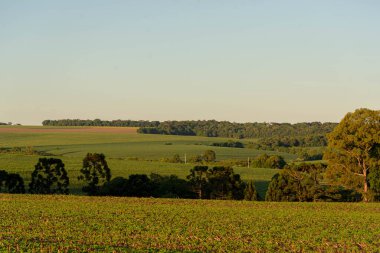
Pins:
x: 116, y: 130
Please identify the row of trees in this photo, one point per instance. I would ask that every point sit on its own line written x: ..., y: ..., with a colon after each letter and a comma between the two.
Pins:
x: 50, y: 177
x: 212, y: 128
x: 202, y: 183
x: 274, y: 143
x: 99, y: 122
x: 228, y: 144
x: 209, y: 128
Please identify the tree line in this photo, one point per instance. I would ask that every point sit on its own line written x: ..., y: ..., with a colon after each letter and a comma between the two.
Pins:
x: 208, y: 128
x: 99, y: 122
x: 50, y: 177
x: 212, y: 128
x: 301, y: 183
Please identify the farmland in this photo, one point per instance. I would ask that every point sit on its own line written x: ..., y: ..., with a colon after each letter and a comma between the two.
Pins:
x: 77, y: 223
x: 52, y: 223
x: 127, y: 152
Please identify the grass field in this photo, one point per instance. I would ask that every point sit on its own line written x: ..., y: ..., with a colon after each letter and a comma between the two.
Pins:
x: 87, y: 224
x: 121, y: 146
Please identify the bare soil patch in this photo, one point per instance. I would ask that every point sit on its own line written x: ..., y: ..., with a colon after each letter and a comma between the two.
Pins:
x: 118, y: 130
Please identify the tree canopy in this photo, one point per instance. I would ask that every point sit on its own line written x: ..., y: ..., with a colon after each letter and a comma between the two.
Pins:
x: 95, y: 172
x: 354, y: 150
x: 49, y: 177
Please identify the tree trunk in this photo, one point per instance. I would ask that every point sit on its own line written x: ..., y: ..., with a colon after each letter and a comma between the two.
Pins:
x: 365, y: 197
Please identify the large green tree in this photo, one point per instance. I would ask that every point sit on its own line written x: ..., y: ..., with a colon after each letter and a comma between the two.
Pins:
x: 354, y: 150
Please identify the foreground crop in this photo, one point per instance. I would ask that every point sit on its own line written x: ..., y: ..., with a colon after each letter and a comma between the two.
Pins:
x: 73, y: 223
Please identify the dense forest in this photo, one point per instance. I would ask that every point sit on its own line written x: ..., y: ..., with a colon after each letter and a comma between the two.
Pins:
x: 211, y: 128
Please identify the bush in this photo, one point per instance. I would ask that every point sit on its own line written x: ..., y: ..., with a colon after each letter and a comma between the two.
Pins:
x: 266, y: 161
x: 11, y: 182
x: 170, y: 187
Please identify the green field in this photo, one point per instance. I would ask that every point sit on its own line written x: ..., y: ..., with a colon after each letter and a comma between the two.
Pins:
x: 104, y: 224
x: 122, y: 150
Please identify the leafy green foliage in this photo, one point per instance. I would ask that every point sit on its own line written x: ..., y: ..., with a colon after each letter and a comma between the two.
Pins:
x: 297, y: 183
x: 274, y: 143
x: 374, y: 183
x: 228, y: 144
x: 49, y: 177
x: 266, y: 161
x: 95, y: 172
x: 304, y: 182
x: 353, y: 150
x: 212, y: 128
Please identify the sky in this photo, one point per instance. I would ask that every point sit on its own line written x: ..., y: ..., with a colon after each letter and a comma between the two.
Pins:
x: 243, y: 61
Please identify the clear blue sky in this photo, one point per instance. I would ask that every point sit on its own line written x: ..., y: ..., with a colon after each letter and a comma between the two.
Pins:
x: 244, y: 61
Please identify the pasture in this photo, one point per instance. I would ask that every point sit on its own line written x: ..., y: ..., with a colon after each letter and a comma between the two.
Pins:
x: 92, y: 224
x: 126, y: 151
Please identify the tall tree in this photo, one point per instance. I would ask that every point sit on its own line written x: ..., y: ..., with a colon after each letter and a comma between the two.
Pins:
x: 198, y: 180
x: 95, y: 172
x: 49, y: 177
x: 354, y: 150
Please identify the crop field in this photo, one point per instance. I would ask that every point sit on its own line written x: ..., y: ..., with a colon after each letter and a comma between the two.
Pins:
x: 126, y: 151
x: 88, y: 224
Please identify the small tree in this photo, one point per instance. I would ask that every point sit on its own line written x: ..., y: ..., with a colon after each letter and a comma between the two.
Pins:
x: 209, y: 156
x: 250, y: 192
x: 49, y: 177
x: 95, y: 172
